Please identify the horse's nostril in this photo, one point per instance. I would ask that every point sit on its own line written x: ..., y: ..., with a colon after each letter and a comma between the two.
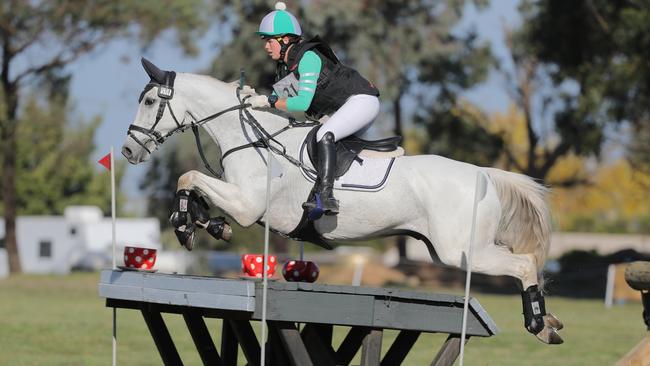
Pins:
x: 126, y: 152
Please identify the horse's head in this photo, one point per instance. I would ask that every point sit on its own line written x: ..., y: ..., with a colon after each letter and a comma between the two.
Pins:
x: 156, y: 119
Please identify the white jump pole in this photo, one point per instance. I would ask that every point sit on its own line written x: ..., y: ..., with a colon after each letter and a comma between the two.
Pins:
x: 479, y: 193
x: 273, y: 170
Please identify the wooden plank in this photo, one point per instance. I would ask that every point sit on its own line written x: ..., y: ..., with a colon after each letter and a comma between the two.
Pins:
x: 316, y: 307
x: 324, y: 331
x: 449, y: 351
x: 292, y: 343
x: 407, y: 315
x: 300, y: 302
x: 201, y: 337
x: 350, y: 345
x: 371, y: 349
x: 278, y: 352
x: 180, y: 290
x: 247, y: 340
x: 318, y: 341
x: 175, y: 282
x: 400, y: 348
x: 229, y: 345
x: 160, y: 335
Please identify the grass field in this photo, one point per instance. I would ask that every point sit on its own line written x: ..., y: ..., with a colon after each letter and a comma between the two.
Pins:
x: 60, y: 320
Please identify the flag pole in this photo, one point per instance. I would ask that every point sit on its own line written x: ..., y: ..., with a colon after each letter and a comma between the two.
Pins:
x: 114, y: 245
x: 113, y: 207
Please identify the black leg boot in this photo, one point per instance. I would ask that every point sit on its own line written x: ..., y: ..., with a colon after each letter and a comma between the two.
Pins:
x: 327, y: 150
x: 322, y: 200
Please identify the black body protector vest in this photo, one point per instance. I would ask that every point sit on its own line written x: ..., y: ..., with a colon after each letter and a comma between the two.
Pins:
x: 336, y: 82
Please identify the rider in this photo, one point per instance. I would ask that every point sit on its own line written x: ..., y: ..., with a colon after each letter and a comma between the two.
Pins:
x: 311, y: 79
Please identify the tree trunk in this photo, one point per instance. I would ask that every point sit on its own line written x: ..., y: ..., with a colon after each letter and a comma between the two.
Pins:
x: 400, y: 242
x: 9, y: 195
x: 9, y: 176
x: 8, y: 131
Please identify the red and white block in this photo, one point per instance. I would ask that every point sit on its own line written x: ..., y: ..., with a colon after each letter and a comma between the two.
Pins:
x: 139, y: 258
x: 300, y: 271
x: 252, y: 265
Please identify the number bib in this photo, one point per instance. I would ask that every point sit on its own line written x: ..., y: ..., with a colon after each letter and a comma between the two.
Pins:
x: 286, y: 87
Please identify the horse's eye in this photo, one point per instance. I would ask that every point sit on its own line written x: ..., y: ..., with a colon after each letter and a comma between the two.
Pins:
x: 148, y: 101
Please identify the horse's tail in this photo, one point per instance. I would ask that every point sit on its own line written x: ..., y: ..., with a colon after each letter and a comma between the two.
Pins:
x: 525, y: 224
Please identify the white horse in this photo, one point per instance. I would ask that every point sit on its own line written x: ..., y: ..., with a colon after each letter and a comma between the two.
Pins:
x: 427, y: 196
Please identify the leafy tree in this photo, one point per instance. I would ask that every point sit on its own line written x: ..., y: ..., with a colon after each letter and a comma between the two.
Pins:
x: 53, y: 167
x: 639, y: 150
x: 617, y: 201
x: 40, y: 38
x: 580, y: 69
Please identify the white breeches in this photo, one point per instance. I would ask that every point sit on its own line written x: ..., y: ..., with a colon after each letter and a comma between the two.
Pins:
x: 356, y: 114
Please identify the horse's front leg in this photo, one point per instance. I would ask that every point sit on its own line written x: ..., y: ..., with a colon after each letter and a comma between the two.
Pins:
x: 189, y: 204
x: 227, y: 196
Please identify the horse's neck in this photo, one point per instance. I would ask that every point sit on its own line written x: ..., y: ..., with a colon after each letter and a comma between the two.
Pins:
x: 209, y: 96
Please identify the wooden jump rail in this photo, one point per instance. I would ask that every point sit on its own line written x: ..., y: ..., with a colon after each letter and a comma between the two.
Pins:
x: 637, y: 276
x: 319, y: 307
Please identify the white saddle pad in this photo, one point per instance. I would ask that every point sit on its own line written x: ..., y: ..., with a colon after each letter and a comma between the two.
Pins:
x: 369, y: 175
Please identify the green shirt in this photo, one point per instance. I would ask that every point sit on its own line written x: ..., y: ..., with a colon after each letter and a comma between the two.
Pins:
x: 309, y: 70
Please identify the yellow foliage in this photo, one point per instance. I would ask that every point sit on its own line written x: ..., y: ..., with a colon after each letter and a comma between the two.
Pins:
x: 619, y: 193
x: 567, y: 167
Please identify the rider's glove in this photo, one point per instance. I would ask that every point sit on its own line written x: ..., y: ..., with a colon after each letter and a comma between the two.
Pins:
x: 259, y: 101
x: 247, y: 91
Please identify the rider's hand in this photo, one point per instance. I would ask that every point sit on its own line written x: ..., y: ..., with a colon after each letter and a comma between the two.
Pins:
x: 247, y: 90
x: 259, y: 101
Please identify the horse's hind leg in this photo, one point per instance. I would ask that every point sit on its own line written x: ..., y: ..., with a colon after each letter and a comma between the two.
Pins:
x: 498, y: 261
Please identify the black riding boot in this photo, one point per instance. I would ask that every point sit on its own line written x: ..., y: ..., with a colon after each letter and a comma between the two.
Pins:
x: 322, y: 199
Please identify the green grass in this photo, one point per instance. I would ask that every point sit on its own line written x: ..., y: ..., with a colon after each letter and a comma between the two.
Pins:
x: 61, y: 320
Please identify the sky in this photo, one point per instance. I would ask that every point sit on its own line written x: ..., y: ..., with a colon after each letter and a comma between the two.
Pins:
x: 115, y: 100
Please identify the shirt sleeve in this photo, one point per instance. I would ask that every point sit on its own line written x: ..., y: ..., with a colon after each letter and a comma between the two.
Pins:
x: 309, y: 69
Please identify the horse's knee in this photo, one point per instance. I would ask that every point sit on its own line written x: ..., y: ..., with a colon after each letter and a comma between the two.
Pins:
x: 185, y: 180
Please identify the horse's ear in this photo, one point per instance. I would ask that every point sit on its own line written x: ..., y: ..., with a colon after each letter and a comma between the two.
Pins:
x: 153, y: 71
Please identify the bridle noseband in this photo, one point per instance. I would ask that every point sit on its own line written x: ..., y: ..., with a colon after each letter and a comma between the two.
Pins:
x: 166, y: 92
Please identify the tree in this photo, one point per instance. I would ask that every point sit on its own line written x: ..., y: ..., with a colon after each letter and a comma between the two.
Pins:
x: 40, y: 38
x: 566, y: 110
x: 53, y: 165
x: 595, y: 52
x: 617, y: 201
x: 639, y: 150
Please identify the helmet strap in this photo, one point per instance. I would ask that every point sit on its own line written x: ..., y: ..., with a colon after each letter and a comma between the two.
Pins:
x: 285, y: 46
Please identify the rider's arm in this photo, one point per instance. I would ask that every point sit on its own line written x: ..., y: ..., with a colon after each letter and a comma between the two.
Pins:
x: 309, y: 68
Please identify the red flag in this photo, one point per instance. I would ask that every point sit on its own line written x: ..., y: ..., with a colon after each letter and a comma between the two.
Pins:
x: 106, y: 161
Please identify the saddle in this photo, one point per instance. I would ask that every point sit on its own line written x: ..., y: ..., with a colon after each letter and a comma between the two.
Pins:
x: 349, y: 149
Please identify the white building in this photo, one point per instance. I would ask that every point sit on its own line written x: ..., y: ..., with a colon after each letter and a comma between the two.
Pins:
x: 81, y: 237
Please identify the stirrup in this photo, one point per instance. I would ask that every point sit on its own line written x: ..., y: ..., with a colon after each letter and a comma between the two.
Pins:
x: 314, y: 207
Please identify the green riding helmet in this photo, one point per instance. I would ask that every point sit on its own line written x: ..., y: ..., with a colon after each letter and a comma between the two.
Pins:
x: 279, y: 22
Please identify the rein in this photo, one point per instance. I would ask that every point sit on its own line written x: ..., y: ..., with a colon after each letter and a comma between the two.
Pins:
x: 265, y: 139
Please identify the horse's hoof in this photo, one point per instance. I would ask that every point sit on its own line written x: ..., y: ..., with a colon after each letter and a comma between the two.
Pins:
x: 552, y: 321
x: 549, y: 335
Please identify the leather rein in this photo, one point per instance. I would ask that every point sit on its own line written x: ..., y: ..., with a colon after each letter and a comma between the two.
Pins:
x: 265, y: 139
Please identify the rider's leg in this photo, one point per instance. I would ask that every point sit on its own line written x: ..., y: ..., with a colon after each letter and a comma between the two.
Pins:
x: 357, y: 113
x: 325, y: 182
